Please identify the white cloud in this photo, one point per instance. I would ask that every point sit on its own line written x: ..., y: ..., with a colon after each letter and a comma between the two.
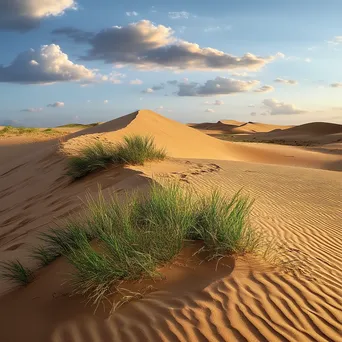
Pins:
x: 46, y: 65
x: 136, y: 81
x: 56, y: 104
x: 336, y: 85
x: 264, y: 89
x: 336, y: 40
x: 105, y: 101
x: 251, y: 106
x: 275, y: 107
x: 307, y: 60
x: 32, y: 110
x: 148, y: 91
x: 239, y: 74
x: 113, y: 77
x: 147, y: 46
x: 179, y: 15
x: 281, y: 80
x: 23, y: 15
x: 209, y: 110
x: 253, y: 114
x: 218, y: 86
x: 132, y: 14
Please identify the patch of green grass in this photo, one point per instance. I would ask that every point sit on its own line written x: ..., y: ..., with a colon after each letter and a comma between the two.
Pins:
x: 15, y: 272
x: 18, y: 130
x: 130, y: 237
x: 134, y: 150
x: 10, y: 130
x: 137, y: 235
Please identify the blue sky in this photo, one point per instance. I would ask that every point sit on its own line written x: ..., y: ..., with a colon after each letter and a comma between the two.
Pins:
x: 193, y: 61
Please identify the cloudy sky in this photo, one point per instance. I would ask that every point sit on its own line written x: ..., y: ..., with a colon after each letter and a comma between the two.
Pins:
x: 83, y: 61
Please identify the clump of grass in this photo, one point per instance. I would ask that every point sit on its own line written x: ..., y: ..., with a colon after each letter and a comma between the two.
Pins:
x: 131, y: 237
x: 141, y: 233
x: 15, y: 272
x: 94, y: 157
x: 135, y: 150
x: 60, y: 241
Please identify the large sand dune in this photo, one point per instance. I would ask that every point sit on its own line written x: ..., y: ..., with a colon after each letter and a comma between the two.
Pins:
x: 298, y: 200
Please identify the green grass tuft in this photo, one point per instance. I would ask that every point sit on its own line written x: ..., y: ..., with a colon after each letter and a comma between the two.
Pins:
x: 15, y: 272
x: 135, y: 150
x: 137, y: 235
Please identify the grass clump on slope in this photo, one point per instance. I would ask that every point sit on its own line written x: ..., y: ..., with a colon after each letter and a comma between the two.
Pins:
x: 134, y: 150
x: 128, y: 238
x: 15, y: 272
x: 140, y: 234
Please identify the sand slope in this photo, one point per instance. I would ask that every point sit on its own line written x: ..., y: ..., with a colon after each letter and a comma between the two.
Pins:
x: 236, y: 127
x: 244, y: 301
x: 181, y: 141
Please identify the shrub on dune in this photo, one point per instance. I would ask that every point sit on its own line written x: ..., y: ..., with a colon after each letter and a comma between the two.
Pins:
x: 134, y: 150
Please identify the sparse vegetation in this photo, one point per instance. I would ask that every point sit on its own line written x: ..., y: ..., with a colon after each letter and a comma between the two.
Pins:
x: 135, y: 150
x: 15, y: 272
x: 137, y: 235
x: 131, y: 237
x: 10, y: 130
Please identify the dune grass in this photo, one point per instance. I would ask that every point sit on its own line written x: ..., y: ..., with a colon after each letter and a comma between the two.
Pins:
x: 77, y: 125
x: 15, y: 272
x: 134, y: 150
x: 130, y: 237
x: 137, y: 235
x: 10, y: 130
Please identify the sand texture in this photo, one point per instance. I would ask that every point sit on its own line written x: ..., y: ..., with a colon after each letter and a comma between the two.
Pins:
x: 298, y: 199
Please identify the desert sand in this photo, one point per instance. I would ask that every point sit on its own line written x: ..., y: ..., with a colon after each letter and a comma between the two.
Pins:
x: 298, y: 199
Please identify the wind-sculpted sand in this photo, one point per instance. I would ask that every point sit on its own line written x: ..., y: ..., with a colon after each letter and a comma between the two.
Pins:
x: 297, y: 200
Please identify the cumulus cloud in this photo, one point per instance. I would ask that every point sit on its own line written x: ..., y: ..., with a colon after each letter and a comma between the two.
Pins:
x: 23, y: 15
x: 209, y: 110
x: 56, y: 104
x: 275, y: 107
x: 132, y: 14
x: 32, y: 110
x: 264, y: 89
x: 45, y: 65
x: 136, y: 81
x: 112, y: 77
x: 336, y: 85
x: 147, y: 46
x: 218, y: 86
x: 179, y: 15
x: 281, y: 80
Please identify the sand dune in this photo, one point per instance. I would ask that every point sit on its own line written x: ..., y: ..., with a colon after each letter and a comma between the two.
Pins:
x: 236, y: 127
x: 298, y: 201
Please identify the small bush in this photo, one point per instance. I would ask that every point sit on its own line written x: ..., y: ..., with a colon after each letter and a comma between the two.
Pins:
x: 134, y: 150
x: 15, y: 272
